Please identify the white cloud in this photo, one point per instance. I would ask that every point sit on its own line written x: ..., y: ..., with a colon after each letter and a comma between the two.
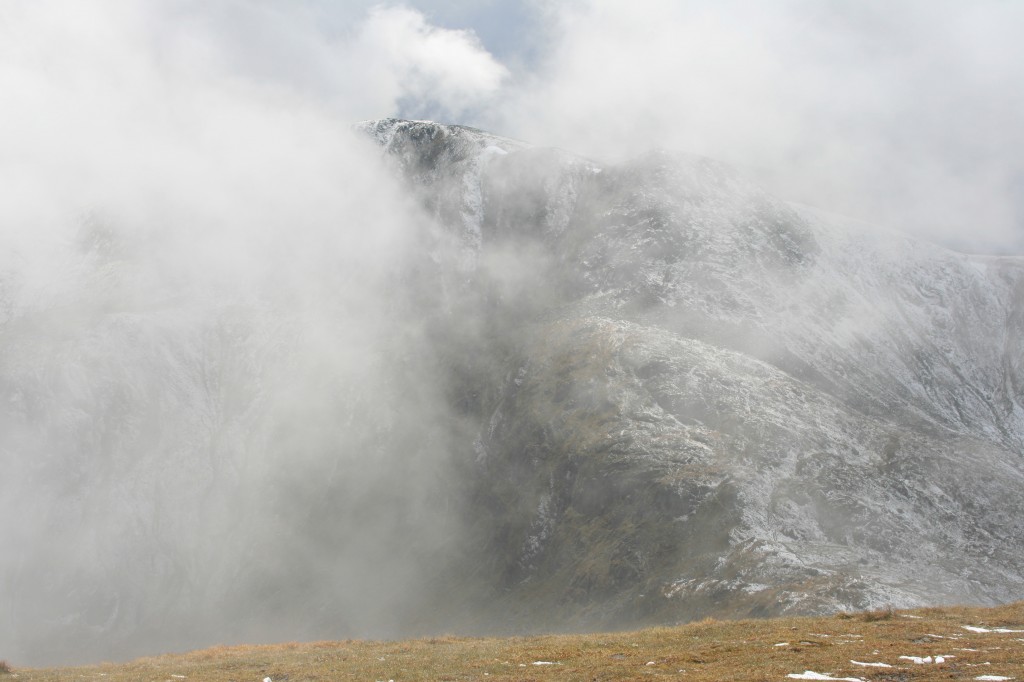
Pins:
x: 197, y: 261
x: 364, y: 61
x: 900, y: 113
x: 402, y: 57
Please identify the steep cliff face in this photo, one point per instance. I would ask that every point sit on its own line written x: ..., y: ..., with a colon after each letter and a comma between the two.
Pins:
x: 718, y: 403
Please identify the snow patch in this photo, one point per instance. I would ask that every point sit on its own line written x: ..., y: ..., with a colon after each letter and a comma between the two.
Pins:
x: 926, y: 659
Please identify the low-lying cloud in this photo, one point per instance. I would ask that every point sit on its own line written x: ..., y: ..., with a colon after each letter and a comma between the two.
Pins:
x: 897, y: 113
x: 222, y: 415
x: 220, y: 418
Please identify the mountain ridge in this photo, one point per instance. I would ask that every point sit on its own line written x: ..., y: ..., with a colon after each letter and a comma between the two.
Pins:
x: 500, y: 388
x: 899, y: 358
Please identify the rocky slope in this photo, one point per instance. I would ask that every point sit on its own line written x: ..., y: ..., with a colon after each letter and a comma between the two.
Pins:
x: 716, y: 403
x: 557, y: 394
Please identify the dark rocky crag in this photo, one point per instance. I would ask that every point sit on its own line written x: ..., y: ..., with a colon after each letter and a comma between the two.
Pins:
x: 693, y: 399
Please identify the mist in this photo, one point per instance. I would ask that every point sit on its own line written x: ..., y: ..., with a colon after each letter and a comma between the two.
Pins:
x: 901, y: 114
x: 243, y: 366
x: 222, y: 419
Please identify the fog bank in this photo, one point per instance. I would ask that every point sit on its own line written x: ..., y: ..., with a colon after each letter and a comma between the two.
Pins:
x: 220, y: 417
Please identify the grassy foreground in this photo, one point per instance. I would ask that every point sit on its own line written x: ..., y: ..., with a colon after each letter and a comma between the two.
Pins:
x: 948, y: 643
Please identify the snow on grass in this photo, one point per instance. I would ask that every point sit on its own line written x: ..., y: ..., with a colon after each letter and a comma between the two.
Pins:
x: 993, y: 677
x: 926, y: 659
x: 811, y: 675
x: 870, y: 665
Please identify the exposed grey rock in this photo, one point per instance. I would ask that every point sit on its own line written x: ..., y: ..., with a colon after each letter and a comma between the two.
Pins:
x: 718, y: 403
x: 578, y: 395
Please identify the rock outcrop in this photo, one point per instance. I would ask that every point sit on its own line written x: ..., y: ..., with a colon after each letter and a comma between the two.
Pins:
x: 717, y: 403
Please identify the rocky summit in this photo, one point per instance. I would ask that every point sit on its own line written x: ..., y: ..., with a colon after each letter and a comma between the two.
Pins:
x: 694, y: 399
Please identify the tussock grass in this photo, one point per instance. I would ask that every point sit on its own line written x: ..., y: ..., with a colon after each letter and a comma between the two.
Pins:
x: 5, y: 669
x: 707, y: 651
x: 873, y: 616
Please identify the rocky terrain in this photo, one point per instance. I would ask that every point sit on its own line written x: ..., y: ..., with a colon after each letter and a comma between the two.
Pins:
x: 580, y: 396
x: 717, y: 403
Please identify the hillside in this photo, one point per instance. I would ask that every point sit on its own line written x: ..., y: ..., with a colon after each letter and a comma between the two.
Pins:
x: 929, y: 644
x: 696, y: 399
x: 519, y: 391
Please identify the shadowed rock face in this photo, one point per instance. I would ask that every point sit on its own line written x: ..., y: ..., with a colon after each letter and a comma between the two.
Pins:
x: 695, y: 399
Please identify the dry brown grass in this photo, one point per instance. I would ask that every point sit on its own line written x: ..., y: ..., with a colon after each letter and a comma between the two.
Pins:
x: 873, y: 616
x: 5, y: 669
x: 706, y: 651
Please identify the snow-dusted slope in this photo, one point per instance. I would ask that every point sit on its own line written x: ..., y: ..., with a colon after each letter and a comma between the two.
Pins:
x: 557, y: 394
x: 728, y: 404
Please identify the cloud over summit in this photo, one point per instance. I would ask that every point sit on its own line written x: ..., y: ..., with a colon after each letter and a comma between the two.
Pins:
x: 898, y: 113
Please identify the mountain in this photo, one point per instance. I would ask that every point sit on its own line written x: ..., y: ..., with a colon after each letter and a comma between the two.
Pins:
x: 717, y: 403
x: 519, y: 390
